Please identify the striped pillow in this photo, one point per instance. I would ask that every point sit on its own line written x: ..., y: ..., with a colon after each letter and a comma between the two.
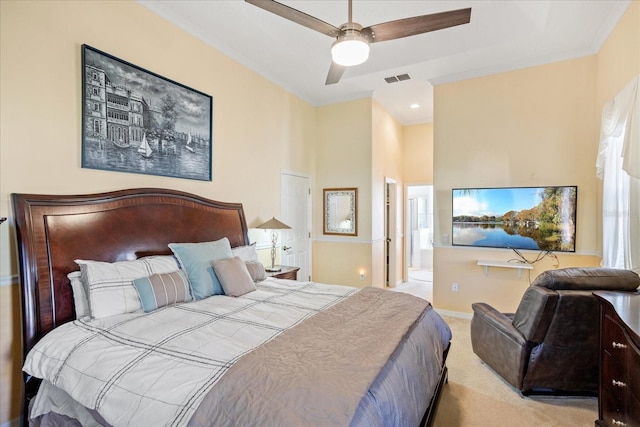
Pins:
x: 159, y: 290
x: 256, y: 270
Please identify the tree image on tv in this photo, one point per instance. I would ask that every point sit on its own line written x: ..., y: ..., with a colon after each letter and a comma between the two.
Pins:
x: 543, y: 218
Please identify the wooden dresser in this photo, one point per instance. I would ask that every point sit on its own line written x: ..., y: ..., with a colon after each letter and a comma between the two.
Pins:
x: 619, y: 397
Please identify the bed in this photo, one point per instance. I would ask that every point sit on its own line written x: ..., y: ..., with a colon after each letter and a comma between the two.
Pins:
x: 295, y: 353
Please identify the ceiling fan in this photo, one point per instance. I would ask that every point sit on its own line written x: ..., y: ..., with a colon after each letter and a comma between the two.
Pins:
x: 352, y: 40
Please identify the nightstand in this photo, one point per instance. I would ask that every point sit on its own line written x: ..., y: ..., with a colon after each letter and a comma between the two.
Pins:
x: 286, y: 272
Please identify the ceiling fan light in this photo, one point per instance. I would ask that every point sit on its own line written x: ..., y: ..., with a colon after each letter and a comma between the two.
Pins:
x: 348, y: 51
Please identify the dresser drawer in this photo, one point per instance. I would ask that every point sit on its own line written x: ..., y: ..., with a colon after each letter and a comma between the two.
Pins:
x: 619, y: 397
x: 615, y: 387
x: 615, y: 341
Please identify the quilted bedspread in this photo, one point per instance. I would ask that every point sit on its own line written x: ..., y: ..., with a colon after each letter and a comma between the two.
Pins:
x: 157, y: 368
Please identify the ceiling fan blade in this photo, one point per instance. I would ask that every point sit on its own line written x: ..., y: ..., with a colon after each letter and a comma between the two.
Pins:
x: 416, y: 25
x: 296, y: 16
x: 335, y: 73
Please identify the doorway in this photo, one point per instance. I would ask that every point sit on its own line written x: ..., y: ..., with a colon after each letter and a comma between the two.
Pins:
x: 419, y: 232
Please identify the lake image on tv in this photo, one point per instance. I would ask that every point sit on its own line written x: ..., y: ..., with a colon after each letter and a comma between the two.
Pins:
x: 537, y: 218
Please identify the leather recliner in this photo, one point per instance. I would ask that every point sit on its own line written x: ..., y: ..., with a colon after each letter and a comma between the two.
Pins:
x: 550, y: 345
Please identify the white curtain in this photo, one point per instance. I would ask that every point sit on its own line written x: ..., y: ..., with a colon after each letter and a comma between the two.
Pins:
x: 618, y: 165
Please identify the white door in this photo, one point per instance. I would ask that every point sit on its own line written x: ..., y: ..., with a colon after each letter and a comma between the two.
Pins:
x: 295, y: 210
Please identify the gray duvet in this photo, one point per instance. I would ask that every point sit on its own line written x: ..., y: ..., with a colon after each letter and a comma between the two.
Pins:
x: 318, y: 372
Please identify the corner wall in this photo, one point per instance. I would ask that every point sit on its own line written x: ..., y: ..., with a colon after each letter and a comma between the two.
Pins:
x: 530, y: 127
x: 343, y: 160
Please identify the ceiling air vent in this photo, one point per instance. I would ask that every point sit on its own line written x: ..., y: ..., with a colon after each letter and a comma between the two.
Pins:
x: 398, y: 78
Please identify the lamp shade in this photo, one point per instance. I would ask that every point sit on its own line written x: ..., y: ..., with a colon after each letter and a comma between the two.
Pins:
x: 273, y: 224
x: 350, y: 48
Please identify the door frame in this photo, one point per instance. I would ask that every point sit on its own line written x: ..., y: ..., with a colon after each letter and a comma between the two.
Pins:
x: 390, y: 232
x: 407, y: 228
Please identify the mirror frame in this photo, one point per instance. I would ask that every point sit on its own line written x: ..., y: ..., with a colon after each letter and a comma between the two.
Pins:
x: 327, y: 219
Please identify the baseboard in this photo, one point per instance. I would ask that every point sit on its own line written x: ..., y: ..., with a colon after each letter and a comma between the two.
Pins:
x: 458, y: 314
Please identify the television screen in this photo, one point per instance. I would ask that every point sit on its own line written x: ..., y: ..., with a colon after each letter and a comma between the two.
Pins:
x: 537, y: 218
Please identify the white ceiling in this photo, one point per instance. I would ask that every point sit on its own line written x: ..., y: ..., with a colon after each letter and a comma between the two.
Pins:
x: 503, y: 35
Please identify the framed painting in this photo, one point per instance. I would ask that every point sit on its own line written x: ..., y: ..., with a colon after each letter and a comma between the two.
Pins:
x: 136, y: 121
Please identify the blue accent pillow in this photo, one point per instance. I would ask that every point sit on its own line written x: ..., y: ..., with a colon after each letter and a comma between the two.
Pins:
x: 159, y: 290
x: 195, y: 259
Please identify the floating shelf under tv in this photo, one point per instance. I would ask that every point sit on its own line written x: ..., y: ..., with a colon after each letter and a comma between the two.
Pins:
x: 503, y: 264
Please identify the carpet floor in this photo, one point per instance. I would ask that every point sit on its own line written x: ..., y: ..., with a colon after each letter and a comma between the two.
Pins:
x: 476, y: 396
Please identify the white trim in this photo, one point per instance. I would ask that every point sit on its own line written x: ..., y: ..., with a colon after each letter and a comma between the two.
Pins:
x: 9, y: 281
x: 457, y: 314
x: 338, y: 239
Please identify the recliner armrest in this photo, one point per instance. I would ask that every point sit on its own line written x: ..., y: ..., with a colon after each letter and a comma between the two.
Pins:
x: 499, y: 321
x: 499, y: 344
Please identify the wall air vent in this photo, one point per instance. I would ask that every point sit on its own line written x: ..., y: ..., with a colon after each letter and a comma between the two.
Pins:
x: 398, y: 78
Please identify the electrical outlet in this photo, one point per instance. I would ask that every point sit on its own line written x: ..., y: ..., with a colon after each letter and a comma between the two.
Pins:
x: 361, y: 276
x: 454, y: 287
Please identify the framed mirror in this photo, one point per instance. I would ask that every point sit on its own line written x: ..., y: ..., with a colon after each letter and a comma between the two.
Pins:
x: 340, y: 211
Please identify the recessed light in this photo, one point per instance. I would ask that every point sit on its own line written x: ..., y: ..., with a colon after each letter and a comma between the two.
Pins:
x: 414, y: 106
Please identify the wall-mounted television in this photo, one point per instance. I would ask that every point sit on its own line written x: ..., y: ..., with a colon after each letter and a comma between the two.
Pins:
x: 536, y: 218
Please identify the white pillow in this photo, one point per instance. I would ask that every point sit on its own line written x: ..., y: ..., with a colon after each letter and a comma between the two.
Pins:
x: 109, y: 286
x: 246, y: 253
x: 80, y: 301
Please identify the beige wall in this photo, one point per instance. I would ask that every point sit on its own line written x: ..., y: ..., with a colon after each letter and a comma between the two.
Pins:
x: 537, y: 126
x: 343, y: 160
x: 359, y: 145
x: 258, y: 128
x: 417, y: 154
x: 618, y: 61
x: 528, y: 127
x: 387, y: 143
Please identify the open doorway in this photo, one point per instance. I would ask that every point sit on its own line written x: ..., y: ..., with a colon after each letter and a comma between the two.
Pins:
x: 419, y: 241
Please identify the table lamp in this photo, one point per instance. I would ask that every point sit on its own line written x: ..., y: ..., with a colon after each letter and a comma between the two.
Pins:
x: 273, y: 225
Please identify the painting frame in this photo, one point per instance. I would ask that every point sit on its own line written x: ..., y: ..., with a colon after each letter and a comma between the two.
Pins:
x: 137, y: 121
x: 340, y: 211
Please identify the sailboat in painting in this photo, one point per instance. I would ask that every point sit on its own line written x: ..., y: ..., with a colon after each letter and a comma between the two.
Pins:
x: 145, y: 148
x: 189, y: 146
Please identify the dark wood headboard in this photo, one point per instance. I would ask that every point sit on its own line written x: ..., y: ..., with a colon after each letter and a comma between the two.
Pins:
x: 54, y: 230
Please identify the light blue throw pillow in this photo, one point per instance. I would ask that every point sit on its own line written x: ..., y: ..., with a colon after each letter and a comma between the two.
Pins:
x: 195, y: 259
x: 159, y: 290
